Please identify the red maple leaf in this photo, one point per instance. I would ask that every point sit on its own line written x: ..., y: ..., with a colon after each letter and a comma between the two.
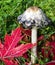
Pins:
x: 51, y: 63
x: 10, y: 62
x: 10, y: 49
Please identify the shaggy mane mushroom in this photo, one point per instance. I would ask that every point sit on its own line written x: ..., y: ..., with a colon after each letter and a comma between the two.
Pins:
x: 33, y: 18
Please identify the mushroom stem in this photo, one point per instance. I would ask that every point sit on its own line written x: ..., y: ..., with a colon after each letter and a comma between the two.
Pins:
x: 34, y: 41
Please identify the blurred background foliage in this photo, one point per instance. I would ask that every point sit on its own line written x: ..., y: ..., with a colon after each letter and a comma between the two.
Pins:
x: 11, y: 9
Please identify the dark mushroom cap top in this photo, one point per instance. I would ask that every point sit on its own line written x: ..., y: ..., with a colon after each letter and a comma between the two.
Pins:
x: 33, y: 16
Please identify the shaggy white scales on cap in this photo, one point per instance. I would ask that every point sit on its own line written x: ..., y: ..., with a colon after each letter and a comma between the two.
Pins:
x: 33, y: 18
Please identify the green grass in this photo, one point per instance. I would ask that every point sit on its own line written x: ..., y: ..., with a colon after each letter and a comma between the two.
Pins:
x: 10, y: 9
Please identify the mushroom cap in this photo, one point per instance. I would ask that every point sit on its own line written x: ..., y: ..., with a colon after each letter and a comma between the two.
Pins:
x: 33, y: 16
